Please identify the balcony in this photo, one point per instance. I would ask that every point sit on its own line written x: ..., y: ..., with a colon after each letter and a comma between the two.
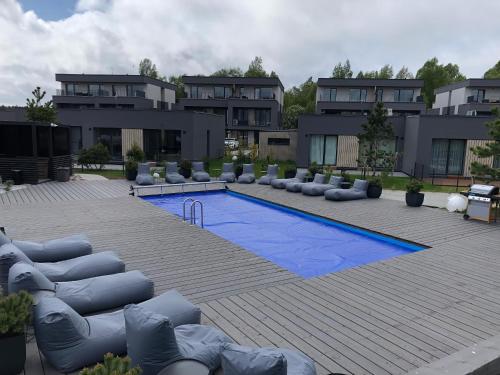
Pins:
x: 101, y: 93
x: 347, y: 106
x: 246, y: 123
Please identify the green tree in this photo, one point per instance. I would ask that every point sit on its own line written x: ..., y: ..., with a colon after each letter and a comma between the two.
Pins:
x: 436, y: 75
x: 228, y: 72
x: 148, y: 69
x: 385, y: 72
x: 376, y: 133
x: 95, y: 157
x: 178, y: 82
x: 493, y: 72
x: 492, y: 149
x: 404, y: 73
x: 342, y: 70
x: 304, y: 95
x: 291, y: 116
x: 256, y: 69
x: 36, y: 111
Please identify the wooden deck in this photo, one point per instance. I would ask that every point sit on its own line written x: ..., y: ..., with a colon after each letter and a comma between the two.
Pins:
x: 388, y: 317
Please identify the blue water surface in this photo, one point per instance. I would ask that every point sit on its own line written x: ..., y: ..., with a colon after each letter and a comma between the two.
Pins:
x: 301, y: 243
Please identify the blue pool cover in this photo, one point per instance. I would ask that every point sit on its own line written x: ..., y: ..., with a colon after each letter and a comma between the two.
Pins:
x: 302, y: 243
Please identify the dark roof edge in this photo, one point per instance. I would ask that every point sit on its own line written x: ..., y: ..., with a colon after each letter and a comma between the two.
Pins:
x: 474, y: 82
x: 358, y: 82
x: 113, y: 78
x: 235, y: 80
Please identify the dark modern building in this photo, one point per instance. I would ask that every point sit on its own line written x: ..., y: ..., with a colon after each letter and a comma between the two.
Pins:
x: 472, y: 97
x: 248, y: 105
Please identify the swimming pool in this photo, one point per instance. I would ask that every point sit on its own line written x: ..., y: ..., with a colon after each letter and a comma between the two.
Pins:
x: 302, y: 243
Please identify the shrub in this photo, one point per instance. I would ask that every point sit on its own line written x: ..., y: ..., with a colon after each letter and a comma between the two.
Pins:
x: 376, y: 181
x: 414, y: 186
x: 112, y: 366
x: 131, y: 165
x: 15, y: 313
x: 185, y: 164
x: 136, y: 153
x: 95, y: 157
x: 315, y: 168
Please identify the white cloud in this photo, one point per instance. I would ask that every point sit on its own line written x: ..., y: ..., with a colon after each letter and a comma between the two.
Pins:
x: 297, y: 39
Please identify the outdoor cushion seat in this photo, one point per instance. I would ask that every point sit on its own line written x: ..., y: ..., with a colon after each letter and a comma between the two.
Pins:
x: 199, y: 174
x: 87, y: 295
x: 103, y: 263
x: 280, y: 183
x: 358, y: 191
x: 296, y: 187
x: 248, y: 176
x: 241, y: 360
x: 272, y: 174
x: 172, y: 175
x: 52, y: 250
x: 314, y: 189
x: 227, y: 173
x: 144, y: 175
x: 70, y: 341
x: 153, y: 343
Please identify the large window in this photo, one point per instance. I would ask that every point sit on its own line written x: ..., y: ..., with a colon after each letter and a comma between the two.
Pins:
x: 112, y: 139
x: 82, y: 89
x: 240, y: 116
x: 323, y: 149
x: 60, y: 141
x: 194, y: 92
x: 328, y: 95
x: 221, y: 92
x: 379, y: 94
x: 448, y: 156
x: 263, y: 93
x: 388, y: 146
x: 357, y: 95
x: 403, y: 95
x: 478, y: 95
x: 262, y: 117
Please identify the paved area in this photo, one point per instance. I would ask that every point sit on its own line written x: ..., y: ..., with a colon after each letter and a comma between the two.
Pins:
x: 431, y: 199
x: 388, y: 317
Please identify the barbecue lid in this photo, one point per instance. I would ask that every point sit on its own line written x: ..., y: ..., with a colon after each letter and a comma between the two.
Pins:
x: 483, y: 189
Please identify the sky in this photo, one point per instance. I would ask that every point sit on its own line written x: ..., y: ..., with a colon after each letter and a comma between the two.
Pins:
x: 297, y: 39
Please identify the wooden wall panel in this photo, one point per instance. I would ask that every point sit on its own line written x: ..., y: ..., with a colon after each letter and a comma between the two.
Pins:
x: 470, y: 157
x: 129, y: 137
x: 347, y: 151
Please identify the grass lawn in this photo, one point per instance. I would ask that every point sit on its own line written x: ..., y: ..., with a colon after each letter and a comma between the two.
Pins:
x: 108, y: 173
x: 399, y: 183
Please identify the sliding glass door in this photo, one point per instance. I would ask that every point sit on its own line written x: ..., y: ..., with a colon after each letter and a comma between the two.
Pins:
x: 323, y: 149
x: 448, y: 156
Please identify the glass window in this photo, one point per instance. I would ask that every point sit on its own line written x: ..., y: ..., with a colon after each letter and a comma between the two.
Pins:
x: 329, y: 95
x: 357, y: 95
x: 403, y: 95
x: 478, y: 95
x: 447, y: 156
x: 221, y: 92
x: 81, y: 89
x: 379, y: 94
x: 94, y: 89
x: 194, y: 92
x: 70, y: 89
x: 112, y: 139
x: 263, y: 93
x: 496, y: 162
x: 240, y: 116
x: 262, y: 117
x: 323, y: 149
x: 119, y: 90
x: 388, y: 145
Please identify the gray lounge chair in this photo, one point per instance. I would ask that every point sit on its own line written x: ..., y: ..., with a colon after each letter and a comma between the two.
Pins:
x: 172, y: 175
x: 144, y: 175
x: 53, y: 250
x: 272, y: 174
x: 248, y: 176
x: 153, y: 343
x: 296, y: 187
x: 280, y: 183
x: 227, y: 173
x: 236, y: 359
x: 87, y: 295
x: 358, y: 191
x: 315, y: 189
x: 199, y: 174
x: 69, y: 341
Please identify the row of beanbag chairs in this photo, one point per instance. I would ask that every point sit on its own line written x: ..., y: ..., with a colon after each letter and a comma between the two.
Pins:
x: 67, y: 281
x: 172, y: 175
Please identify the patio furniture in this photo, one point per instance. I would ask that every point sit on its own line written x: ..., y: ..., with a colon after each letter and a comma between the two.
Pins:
x: 185, y: 367
x: 271, y: 174
x: 315, y: 189
x: 87, y: 295
x: 199, y: 174
x: 144, y: 175
x: 52, y: 250
x: 241, y: 360
x: 227, y: 173
x: 296, y: 187
x: 172, y: 175
x: 280, y: 183
x: 358, y: 191
x: 153, y: 343
x: 70, y: 341
x: 247, y: 177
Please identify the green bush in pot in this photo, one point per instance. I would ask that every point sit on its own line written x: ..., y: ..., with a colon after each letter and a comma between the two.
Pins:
x: 112, y: 366
x: 414, y: 198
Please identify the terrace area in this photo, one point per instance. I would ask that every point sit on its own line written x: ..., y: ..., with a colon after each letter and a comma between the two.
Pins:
x: 388, y: 317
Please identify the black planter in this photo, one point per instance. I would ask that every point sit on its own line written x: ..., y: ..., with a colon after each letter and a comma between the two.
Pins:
x: 238, y: 170
x: 131, y: 174
x: 290, y: 174
x: 12, y: 354
x: 414, y: 199
x: 186, y: 173
x: 374, y: 191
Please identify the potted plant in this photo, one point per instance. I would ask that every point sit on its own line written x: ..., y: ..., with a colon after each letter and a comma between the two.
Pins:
x: 15, y: 314
x: 414, y: 198
x: 238, y: 170
x: 131, y: 169
x: 112, y: 365
x: 290, y: 171
x: 374, y: 188
x: 185, y: 168
x: 314, y: 168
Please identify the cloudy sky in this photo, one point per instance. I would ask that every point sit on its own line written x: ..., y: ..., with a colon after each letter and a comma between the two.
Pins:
x: 296, y: 38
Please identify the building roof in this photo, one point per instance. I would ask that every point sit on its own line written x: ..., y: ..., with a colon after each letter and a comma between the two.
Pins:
x: 251, y: 81
x: 113, y: 78
x: 472, y: 82
x: 368, y: 82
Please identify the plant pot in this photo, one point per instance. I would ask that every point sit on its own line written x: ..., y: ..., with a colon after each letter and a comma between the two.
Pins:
x: 131, y: 174
x: 185, y: 172
x: 238, y: 170
x: 374, y: 191
x: 290, y: 174
x: 414, y: 199
x: 12, y: 354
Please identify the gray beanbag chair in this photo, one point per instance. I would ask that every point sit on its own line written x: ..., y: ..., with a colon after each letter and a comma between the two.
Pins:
x: 153, y: 342
x: 199, y: 174
x: 144, y: 175
x: 247, y: 177
x: 280, y: 183
x: 241, y: 360
x: 172, y: 175
x: 52, y: 250
x: 87, y: 295
x: 358, y: 191
x: 69, y: 341
x: 296, y: 187
x: 272, y: 174
x: 227, y: 173
x: 314, y: 189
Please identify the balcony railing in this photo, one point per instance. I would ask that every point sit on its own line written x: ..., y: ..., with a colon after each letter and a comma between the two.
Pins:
x: 260, y: 124
x: 106, y: 93
x: 473, y: 99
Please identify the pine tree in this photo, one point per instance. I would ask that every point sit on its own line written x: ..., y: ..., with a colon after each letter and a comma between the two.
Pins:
x: 491, y: 150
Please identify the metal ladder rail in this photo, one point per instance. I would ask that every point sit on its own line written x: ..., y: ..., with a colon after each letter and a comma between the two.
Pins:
x: 193, y: 213
x: 184, y: 208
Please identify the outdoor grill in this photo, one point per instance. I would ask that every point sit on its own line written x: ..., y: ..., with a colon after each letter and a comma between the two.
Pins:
x: 483, y: 202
